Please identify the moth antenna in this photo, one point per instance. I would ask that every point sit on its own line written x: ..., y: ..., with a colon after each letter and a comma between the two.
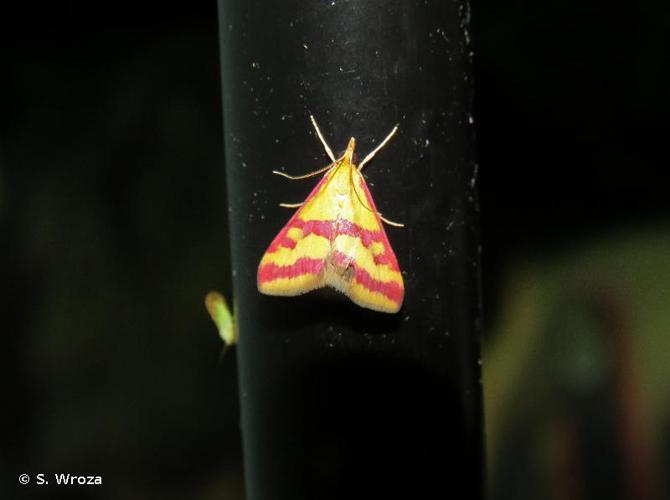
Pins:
x: 291, y: 205
x: 390, y: 222
x: 323, y: 141
x: 374, y: 151
x: 304, y: 176
x: 353, y: 185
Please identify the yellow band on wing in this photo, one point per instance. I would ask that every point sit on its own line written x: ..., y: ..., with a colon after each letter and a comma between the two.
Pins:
x: 377, y: 248
x: 323, y: 205
x: 353, y: 247
x: 291, y: 286
x: 372, y: 300
x: 312, y: 246
x: 294, y: 233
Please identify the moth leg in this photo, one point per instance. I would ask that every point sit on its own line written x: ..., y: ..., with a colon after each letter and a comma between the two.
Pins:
x: 305, y: 176
x: 390, y: 222
x: 374, y: 151
x: 353, y: 186
x: 323, y: 141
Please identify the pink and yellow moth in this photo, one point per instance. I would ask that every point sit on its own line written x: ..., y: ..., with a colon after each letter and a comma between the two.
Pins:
x: 336, y: 239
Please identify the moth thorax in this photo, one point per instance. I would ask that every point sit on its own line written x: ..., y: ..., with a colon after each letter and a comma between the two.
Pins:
x: 354, y: 157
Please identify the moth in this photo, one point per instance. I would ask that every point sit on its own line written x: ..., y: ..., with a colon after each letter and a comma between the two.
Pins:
x: 336, y: 239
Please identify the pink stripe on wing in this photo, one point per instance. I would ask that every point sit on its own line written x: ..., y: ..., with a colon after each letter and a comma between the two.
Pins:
x: 303, y: 265
x: 330, y: 229
x: 390, y: 289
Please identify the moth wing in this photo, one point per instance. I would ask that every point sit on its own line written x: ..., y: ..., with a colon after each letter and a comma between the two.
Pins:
x: 294, y: 263
x: 370, y: 274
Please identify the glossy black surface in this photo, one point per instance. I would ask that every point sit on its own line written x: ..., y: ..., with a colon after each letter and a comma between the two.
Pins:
x: 338, y: 401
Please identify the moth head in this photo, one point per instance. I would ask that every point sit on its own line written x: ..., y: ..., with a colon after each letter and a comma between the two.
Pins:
x: 349, y: 154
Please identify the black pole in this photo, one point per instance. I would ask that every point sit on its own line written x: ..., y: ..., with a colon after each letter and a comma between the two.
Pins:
x: 338, y: 401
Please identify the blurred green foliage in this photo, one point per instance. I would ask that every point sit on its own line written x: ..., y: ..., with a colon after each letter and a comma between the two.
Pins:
x: 575, y: 376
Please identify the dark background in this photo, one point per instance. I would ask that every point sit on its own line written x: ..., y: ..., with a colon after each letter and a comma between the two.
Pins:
x: 113, y: 213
